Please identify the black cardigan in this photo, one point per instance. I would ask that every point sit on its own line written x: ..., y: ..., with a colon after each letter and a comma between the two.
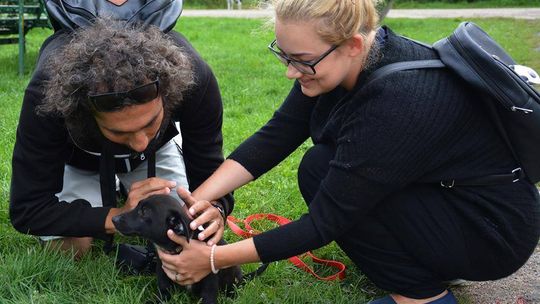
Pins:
x: 417, y: 126
x: 43, y: 146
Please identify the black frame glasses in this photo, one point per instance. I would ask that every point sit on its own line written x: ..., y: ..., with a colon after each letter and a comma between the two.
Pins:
x: 304, y: 67
x: 110, y: 102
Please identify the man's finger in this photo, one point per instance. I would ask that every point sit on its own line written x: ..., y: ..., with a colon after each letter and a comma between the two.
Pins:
x: 155, y: 184
x: 160, y: 191
x: 152, y: 183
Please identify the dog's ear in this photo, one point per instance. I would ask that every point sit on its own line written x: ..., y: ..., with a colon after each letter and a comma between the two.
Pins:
x: 177, y: 223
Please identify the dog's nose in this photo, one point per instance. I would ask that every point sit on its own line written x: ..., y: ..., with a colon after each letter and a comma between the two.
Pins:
x: 116, y: 219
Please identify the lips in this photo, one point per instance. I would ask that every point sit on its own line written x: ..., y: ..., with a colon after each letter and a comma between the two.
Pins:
x: 305, y: 82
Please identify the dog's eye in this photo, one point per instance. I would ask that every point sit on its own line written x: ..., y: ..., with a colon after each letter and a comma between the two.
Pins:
x: 142, y: 211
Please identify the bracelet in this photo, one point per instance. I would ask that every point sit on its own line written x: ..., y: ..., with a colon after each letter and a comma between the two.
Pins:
x: 212, y: 265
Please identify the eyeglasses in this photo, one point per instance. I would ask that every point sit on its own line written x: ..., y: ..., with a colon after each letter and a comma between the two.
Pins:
x: 110, y: 102
x: 304, y: 67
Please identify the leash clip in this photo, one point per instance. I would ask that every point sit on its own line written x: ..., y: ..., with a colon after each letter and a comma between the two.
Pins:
x: 517, y: 174
x: 448, y: 184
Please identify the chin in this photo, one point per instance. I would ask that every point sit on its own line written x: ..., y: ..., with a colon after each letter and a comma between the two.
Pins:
x: 313, y: 91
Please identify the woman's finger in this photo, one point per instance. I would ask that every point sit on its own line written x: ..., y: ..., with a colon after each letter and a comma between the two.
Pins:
x: 210, y: 230
x: 216, y: 237
x: 178, y: 239
x: 199, y: 207
x: 166, y: 259
x: 173, y: 276
x: 206, y: 217
x: 186, y: 281
x: 186, y: 196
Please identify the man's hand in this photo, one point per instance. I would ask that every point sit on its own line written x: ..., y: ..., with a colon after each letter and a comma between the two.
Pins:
x: 145, y: 188
x: 205, y: 214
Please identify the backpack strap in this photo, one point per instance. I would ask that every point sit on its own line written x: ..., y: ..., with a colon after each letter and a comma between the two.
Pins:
x: 403, y: 66
x: 488, y: 180
x: 107, y: 180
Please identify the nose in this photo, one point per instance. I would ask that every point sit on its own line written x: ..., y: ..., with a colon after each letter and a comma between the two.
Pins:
x: 116, y: 219
x: 139, y: 141
x: 292, y: 72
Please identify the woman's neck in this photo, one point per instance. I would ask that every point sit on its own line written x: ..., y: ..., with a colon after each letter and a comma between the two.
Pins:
x: 358, y: 64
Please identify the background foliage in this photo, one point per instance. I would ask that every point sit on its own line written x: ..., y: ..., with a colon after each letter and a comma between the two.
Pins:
x: 222, y: 4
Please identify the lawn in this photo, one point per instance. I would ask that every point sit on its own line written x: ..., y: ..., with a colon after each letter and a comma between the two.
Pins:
x: 222, y: 4
x: 405, y: 4
x: 253, y: 86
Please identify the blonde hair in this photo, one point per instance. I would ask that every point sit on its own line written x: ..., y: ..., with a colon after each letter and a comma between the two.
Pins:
x: 337, y: 20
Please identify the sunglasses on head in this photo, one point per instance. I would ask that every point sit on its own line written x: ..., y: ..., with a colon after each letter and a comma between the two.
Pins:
x: 110, y: 102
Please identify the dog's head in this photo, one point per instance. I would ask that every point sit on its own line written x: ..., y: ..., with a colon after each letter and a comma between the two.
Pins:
x: 152, y: 218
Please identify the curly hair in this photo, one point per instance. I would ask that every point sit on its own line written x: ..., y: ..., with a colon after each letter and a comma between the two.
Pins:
x: 111, y: 56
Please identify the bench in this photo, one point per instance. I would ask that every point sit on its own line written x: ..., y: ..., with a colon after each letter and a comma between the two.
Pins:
x: 17, y: 18
x: 383, y: 7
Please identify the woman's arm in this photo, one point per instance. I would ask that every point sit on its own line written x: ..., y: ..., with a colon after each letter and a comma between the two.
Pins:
x: 228, y: 177
x: 288, y: 128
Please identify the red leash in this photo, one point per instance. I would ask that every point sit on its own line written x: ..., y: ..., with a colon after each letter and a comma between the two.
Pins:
x: 296, y: 260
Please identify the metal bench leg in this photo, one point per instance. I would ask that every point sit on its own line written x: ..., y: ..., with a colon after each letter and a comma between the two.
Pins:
x: 21, y: 38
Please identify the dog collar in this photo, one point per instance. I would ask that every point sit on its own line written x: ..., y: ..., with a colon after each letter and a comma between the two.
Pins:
x: 175, y: 252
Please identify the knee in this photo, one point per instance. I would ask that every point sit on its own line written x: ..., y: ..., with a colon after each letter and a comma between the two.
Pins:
x: 313, y: 168
x: 77, y: 247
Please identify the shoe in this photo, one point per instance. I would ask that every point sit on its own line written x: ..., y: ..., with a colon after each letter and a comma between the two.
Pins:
x: 447, y: 299
x: 456, y: 283
x: 135, y: 259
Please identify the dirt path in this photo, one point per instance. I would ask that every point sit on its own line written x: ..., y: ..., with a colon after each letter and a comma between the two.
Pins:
x: 517, y: 13
x: 523, y: 287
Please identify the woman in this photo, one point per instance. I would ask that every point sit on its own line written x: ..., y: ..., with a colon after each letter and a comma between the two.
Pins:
x: 372, y: 180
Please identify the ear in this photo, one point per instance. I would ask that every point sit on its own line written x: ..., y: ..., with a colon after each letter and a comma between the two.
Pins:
x: 355, y: 45
x: 177, y: 223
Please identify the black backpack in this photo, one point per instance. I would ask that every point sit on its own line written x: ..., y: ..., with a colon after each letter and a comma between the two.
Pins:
x: 513, y: 103
x: 71, y: 14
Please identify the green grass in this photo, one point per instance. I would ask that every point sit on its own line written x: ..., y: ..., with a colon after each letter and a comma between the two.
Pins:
x: 253, y: 86
x: 465, y: 4
x: 218, y: 4
x: 249, y: 4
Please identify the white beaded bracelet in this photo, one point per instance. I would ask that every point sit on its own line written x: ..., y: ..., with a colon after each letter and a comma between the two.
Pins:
x: 212, y: 265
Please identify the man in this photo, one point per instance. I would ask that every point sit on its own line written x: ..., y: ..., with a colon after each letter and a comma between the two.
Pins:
x: 104, y: 100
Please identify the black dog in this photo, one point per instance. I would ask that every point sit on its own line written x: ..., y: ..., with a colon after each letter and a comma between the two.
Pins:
x: 151, y: 219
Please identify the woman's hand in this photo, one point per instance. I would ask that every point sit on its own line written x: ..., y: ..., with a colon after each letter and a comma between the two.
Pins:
x: 205, y: 214
x: 191, y: 265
